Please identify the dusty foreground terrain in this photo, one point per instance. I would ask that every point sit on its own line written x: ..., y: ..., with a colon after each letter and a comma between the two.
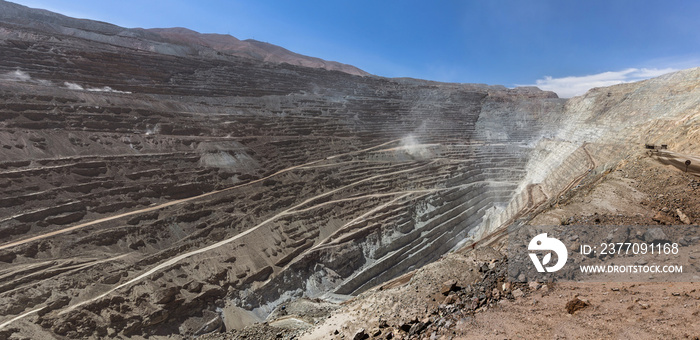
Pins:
x: 466, y: 294
x: 166, y: 184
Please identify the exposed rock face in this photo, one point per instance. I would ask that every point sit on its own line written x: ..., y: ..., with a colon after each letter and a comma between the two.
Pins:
x: 151, y: 189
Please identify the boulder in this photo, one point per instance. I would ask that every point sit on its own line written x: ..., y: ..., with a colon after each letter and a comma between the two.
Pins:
x: 575, y: 305
x: 166, y: 295
x: 683, y: 217
x: 449, y: 286
x: 361, y: 335
x: 655, y: 235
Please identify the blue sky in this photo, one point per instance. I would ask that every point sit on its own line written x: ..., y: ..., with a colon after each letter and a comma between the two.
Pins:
x: 565, y: 46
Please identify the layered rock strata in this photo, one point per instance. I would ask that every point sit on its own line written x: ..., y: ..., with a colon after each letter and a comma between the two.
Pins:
x: 152, y: 191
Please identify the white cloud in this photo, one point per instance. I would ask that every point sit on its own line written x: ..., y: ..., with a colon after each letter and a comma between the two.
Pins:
x: 567, y: 87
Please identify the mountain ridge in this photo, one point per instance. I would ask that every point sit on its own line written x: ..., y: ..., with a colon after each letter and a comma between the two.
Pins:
x: 192, y: 42
x: 250, y: 48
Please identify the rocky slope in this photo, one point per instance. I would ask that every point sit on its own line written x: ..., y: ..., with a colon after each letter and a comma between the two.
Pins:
x: 159, y: 188
x: 467, y: 295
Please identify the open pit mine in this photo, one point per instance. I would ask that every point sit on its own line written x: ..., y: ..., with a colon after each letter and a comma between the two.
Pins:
x: 171, y: 183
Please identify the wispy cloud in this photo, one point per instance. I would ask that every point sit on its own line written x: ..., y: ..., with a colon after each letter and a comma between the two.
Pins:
x: 567, y: 87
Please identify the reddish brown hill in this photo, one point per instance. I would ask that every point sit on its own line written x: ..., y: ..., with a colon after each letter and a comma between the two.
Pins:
x: 228, y: 44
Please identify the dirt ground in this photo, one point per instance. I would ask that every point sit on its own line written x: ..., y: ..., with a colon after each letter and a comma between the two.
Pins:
x: 639, y: 191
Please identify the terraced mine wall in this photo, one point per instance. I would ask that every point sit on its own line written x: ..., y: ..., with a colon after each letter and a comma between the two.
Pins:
x: 153, y: 193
